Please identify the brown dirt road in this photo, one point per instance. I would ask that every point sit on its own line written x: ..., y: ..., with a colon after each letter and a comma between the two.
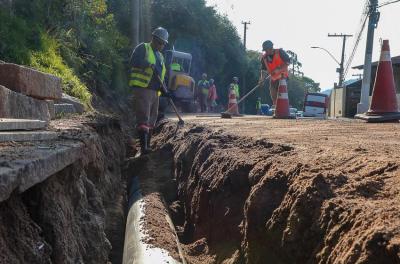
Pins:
x: 260, y: 190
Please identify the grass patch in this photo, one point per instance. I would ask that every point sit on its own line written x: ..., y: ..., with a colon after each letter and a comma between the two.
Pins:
x: 50, y: 61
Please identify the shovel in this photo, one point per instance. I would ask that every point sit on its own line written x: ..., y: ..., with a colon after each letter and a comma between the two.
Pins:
x: 165, y: 90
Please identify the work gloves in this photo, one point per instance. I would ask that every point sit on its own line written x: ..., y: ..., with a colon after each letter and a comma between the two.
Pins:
x: 167, y: 94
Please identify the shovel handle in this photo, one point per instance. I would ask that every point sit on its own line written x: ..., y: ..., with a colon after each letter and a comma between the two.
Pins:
x: 251, y: 91
x: 165, y: 90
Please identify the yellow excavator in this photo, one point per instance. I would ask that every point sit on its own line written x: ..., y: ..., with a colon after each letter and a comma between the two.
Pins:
x: 180, y: 83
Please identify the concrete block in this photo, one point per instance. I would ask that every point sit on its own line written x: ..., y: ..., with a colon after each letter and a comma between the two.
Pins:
x: 21, y: 124
x: 15, y: 105
x: 52, y: 111
x: 66, y: 99
x: 30, y: 82
x: 23, y: 136
x: 34, y: 164
x: 61, y: 109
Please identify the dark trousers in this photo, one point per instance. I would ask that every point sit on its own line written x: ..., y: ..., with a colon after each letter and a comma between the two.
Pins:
x: 203, y: 102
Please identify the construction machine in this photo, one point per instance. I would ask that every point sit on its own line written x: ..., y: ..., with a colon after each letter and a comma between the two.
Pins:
x: 180, y: 83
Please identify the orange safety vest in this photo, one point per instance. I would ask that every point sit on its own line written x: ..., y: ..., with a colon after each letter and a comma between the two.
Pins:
x: 277, y: 62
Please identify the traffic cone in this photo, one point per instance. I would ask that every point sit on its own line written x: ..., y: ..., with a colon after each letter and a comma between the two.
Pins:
x: 384, y: 105
x: 232, y: 105
x: 282, y: 101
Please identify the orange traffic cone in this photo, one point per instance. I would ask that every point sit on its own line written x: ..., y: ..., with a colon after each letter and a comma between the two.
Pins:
x: 232, y: 105
x: 384, y: 102
x: 282, y: 101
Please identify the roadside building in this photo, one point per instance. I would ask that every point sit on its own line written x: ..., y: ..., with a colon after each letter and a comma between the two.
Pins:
x: 344, y: 100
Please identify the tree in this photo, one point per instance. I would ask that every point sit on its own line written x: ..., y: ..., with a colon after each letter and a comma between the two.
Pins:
x: 296, y: 64
x: 210, y: 37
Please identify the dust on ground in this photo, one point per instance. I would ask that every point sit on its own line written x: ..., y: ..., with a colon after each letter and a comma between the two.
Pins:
x: 255, y: 189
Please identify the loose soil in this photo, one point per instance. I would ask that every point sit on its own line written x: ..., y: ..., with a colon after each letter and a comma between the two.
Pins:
x: 76, y: 215
x: 258, y: 190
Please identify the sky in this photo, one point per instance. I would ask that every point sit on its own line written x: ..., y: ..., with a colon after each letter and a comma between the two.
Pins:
x: 297, y: 25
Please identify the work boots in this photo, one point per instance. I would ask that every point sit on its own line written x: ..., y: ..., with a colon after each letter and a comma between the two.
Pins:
x: 144, y: 138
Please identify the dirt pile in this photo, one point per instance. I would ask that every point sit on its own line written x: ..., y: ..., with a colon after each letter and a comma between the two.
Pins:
x: 252, y: 201
x: 76, y: 215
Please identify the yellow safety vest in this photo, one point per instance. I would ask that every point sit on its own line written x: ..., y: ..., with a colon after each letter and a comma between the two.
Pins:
x: 176, y: 67
x: 141, y: 77
x: 236, y: 88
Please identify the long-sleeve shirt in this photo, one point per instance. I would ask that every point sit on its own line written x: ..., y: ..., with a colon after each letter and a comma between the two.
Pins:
x: 138, y: 60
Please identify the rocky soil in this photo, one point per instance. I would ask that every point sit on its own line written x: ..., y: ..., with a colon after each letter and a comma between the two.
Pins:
x: 76, y: 215
x: 277, y: 191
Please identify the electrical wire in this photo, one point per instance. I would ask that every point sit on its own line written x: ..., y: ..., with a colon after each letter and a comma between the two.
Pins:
x: 388, y: 3
x: 364, y: 17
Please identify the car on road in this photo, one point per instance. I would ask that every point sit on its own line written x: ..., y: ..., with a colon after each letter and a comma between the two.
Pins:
x: 299, y: 114
x: 293, y: 112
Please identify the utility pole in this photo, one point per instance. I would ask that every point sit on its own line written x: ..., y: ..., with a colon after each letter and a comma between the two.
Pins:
x: 135, y: 4
x: 340, y: 70
x: 363, y: 106
x: 245, y: 33
x: 245, y: 24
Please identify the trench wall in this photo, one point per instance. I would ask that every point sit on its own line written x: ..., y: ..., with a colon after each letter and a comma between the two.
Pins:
x: 77, y: 214
x: 253, y: 201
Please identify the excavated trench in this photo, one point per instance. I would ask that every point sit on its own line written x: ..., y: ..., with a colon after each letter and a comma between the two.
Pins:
x: 240, y: 200
x: 232, y: 199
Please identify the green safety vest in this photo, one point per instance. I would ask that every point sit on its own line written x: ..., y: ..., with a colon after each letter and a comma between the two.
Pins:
x: 203, y: 85
x: 176, y: 67
x: 141, y: 77
x: 236, y: 88
x: 258, y: 104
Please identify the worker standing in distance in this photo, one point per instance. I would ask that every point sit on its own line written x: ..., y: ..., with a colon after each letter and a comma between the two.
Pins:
x: 147, y: 65
x: 276, y: 62
x: 236, y: 87
x: 212, y: 96
x: 258, y: 106
x: 202, y: 89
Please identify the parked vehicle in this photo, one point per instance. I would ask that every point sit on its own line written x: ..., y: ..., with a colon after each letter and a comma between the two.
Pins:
x: 299, y: 114
x: 315, y: 105
x: 292, y: 112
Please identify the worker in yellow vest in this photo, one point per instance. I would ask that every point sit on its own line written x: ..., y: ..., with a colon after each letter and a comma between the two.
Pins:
x: 202, y: 88
x: 148, y: 66
x: 236, y: 87
x: 176, y: 67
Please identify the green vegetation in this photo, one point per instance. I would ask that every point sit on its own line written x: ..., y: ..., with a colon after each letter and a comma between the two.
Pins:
x: 86, y: 44
x: 210, y: 37
x: 78, y: 41
x: 217, y: 50
x: 49, y: 60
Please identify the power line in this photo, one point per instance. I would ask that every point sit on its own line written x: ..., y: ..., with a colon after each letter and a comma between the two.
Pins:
x: 388, y: 3
x: 363, y: 20
x: 356, y: 43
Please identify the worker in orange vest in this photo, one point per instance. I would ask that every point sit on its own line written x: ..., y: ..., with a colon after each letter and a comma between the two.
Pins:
x: 276, y: 63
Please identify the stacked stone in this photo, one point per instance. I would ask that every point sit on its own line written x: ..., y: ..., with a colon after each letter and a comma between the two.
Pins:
x: 26, y: 93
